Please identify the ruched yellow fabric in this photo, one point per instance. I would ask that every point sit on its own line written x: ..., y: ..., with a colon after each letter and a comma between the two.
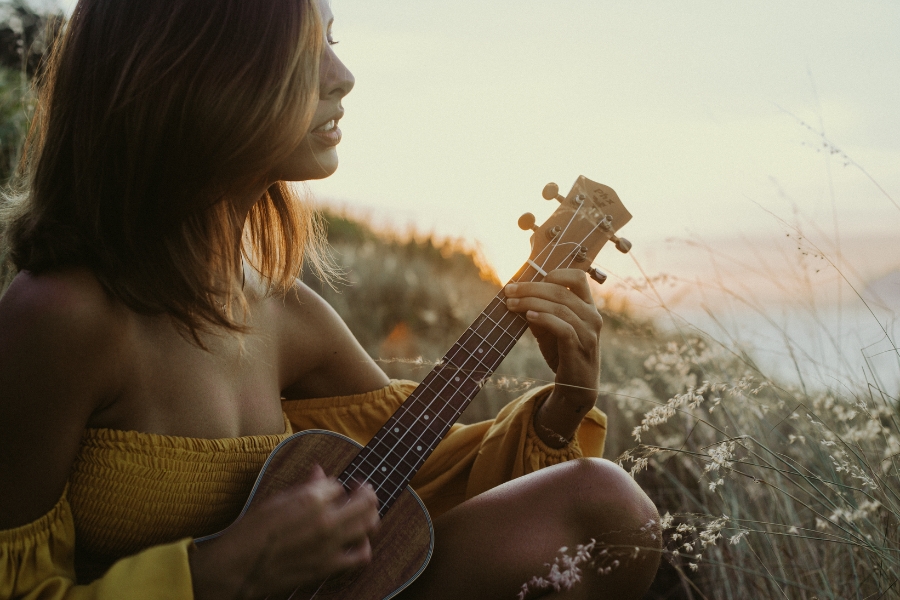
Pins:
x: 135, y: 500
x: 163, y: 487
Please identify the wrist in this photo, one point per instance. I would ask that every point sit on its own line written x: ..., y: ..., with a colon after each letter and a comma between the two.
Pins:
x: 558, y: 417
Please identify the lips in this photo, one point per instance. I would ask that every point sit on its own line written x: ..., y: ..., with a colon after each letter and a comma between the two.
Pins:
x: 328, y: 133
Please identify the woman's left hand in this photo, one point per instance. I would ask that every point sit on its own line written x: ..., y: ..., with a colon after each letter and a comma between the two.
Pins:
x: 563, y: 317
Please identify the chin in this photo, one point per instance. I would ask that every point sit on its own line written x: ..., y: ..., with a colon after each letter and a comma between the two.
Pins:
x: 312, y: 167
x: 324, y: 169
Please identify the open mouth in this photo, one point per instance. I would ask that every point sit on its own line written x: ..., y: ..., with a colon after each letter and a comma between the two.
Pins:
x: 329, y: 126
x: 328, y: 134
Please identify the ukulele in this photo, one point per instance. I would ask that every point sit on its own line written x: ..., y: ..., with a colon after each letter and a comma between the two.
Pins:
x: 584, y: 221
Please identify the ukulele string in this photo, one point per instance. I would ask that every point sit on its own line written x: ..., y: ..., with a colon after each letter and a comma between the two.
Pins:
x: 315, y: 593
x: 498, y: 324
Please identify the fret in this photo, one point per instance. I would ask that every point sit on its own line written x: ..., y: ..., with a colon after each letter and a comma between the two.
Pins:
x: 441, y: 412
x: 473, y: 363
x: 449, y: 384
x: 382, y: 469
x: 392, y: 467
x: 395, y: 439
x: 421, y: 432
x: 487, y: 353
x: 495, y: 329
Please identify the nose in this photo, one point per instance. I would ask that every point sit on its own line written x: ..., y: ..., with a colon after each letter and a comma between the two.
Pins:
x: 335, y: 79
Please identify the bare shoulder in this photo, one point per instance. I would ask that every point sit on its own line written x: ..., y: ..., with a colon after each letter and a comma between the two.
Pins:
x: 59, y: 336
x: 319, y: 355
x: 59, y: 313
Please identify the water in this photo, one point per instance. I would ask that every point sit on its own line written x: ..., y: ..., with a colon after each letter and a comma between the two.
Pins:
x: 853, y: 346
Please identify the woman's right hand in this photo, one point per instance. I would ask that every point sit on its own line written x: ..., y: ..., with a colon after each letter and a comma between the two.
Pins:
x: 295, y: 539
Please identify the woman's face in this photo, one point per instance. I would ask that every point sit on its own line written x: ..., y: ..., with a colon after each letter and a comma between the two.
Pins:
x: 316, y: 157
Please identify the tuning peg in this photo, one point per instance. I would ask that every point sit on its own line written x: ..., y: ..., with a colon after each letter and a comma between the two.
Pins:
x: 526, y: 222
x: 551, y: 192
x: 597, y: 275
x: 622, y: 245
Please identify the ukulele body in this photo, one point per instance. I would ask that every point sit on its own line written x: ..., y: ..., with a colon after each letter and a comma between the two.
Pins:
x: 402, y: 546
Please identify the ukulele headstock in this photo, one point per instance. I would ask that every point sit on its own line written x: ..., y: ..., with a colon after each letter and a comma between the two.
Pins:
x: 587, y: 218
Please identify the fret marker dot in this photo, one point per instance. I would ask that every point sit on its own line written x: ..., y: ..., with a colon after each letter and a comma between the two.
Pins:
x: 481, y: 351
x: 427, y: 417
x: 396, y: 430
x: 457, y: 379
x: 384, y: 468
x: 419, y: 448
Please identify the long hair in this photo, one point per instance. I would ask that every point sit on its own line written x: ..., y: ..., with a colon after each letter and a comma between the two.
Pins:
x: 151, y: 116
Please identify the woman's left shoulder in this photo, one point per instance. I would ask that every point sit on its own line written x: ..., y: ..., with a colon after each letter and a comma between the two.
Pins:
x: 318, y: 354
x: 300, y: 315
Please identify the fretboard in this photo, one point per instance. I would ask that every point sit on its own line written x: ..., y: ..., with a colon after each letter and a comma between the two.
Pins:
x: 395, y: 454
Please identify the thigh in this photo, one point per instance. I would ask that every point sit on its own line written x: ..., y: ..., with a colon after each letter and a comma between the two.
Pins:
x: 490, y: 545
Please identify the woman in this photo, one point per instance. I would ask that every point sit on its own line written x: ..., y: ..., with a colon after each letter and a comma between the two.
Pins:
x: 155, y: 327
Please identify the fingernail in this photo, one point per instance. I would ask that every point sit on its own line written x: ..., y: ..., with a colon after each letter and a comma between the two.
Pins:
x: 511, y: 288
x: 531, y: 314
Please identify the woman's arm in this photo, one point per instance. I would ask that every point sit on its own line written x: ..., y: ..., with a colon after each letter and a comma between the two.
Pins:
x: 58, y: 348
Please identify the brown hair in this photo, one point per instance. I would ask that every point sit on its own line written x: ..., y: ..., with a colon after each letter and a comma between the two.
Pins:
x: 150, y: 113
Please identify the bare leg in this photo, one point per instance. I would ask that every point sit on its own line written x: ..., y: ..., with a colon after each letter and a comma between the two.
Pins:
x: 490, y: 545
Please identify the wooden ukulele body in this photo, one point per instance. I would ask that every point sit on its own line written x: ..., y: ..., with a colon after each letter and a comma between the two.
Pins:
x: 402, y: 546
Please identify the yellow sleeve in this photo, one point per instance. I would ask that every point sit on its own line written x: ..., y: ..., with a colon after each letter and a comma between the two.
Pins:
x: 471, y: 459
x: 37, y: 563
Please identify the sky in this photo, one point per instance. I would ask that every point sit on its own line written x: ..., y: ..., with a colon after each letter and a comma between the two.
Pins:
x: 706, y: 117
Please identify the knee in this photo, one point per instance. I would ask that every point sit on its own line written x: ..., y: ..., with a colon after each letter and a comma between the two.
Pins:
x: 607, y: 505
x: 603, y: 492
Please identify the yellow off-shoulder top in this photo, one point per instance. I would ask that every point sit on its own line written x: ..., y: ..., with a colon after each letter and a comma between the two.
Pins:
x: 124, y: 525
